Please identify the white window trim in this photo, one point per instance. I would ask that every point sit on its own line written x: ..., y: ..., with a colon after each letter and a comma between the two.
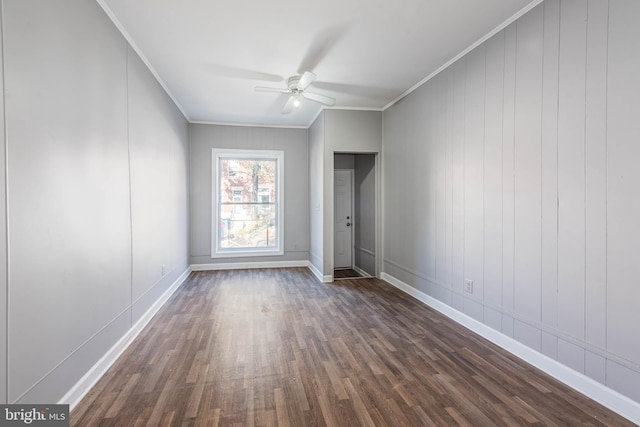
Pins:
x: 216, y: 155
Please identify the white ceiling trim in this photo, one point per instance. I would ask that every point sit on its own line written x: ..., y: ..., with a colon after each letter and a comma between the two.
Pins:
x: 251, y: 125
x: 354, y: 108
x: 342, y: 108
x: 446, y: 65
x: 135, y: 47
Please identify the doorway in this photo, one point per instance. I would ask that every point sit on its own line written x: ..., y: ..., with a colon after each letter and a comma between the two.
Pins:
x: 355, y: 225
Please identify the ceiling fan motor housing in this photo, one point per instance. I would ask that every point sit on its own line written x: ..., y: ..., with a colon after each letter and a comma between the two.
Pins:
x: 292, y: 82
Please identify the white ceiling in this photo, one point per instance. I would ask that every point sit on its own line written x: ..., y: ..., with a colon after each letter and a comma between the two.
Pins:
x: 210, y: 54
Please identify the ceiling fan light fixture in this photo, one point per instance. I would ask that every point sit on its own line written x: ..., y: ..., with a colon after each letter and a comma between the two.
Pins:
x: 296, y: 86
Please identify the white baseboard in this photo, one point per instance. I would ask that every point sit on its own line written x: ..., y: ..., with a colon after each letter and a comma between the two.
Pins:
x: 264, y: 264
x: 245, y: 265
x: 82, y: 387
x: 361, y: 272
x: 613, y: 400
x: 324, y: 279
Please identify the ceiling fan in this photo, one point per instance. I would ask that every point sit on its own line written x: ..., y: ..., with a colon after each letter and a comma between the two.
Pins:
x: 296, y: 86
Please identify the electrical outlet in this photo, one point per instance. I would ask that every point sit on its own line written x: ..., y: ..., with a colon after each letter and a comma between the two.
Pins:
x: 468, y: 286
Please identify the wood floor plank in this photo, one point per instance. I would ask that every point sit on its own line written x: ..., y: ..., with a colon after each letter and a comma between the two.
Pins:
x: 123, y: 396
x: 275, y: 347
x: 361, y: 410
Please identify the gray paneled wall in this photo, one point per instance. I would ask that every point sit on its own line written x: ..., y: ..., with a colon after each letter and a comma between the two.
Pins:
x: 516, y: 168
x: 316, y: 194
x: 97, y: 174
x: 159, y: 173
x: 622, y: 202
x: 3, y: 235
x: 294, y: 143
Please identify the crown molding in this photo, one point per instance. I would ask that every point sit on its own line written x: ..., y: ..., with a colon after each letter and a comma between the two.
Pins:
x: 253, y: 125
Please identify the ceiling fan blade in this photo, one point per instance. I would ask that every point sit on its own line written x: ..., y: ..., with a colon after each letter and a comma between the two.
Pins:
x: 322, y: 44
x: 307, y: 78
x: 289, y: 105
x: 239, y: 73
x: 271, y: 89
x: 326, y: 100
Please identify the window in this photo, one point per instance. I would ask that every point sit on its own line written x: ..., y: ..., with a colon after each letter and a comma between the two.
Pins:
x: 247, y: 203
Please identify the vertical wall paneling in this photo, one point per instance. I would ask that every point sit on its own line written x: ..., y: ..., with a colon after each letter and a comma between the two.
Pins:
x: 595, y: 366
x: 623, y: 180
x: 426, y: 183
x: 399, y: 251
x: 459, y: 71
x: 3, y: 230
x: 474, y: 171
x: 388, y: 190
x: 69, y: 193
x: 571, y: 173
x: 316, y: 153
x: 527, y: 166
x: 549, y: 309
x: 493, y: 150
x: 540, y: 187
x: 67, y: 97
x: 448, y: 280
x: 571, y: 354
x: 150, y: 182
x: 596, y: 173
x: 623, y: 379
x: 392, y: 161
x: 508, y: 177
x: 422, y: 183
x: 158, y: 156
x: 440, y: 164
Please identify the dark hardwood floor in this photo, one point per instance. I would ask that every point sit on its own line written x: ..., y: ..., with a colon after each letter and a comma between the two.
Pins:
x: 277, y: 347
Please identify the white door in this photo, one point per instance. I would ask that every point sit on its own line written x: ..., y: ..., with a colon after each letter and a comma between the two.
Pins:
x: 343, y: 219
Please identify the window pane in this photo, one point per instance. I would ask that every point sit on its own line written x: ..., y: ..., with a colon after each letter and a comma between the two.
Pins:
x: 247, y: 181
x: 248, y: 226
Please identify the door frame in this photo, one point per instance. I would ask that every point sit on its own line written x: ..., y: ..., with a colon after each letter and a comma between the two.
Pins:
x: 329, y: 213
